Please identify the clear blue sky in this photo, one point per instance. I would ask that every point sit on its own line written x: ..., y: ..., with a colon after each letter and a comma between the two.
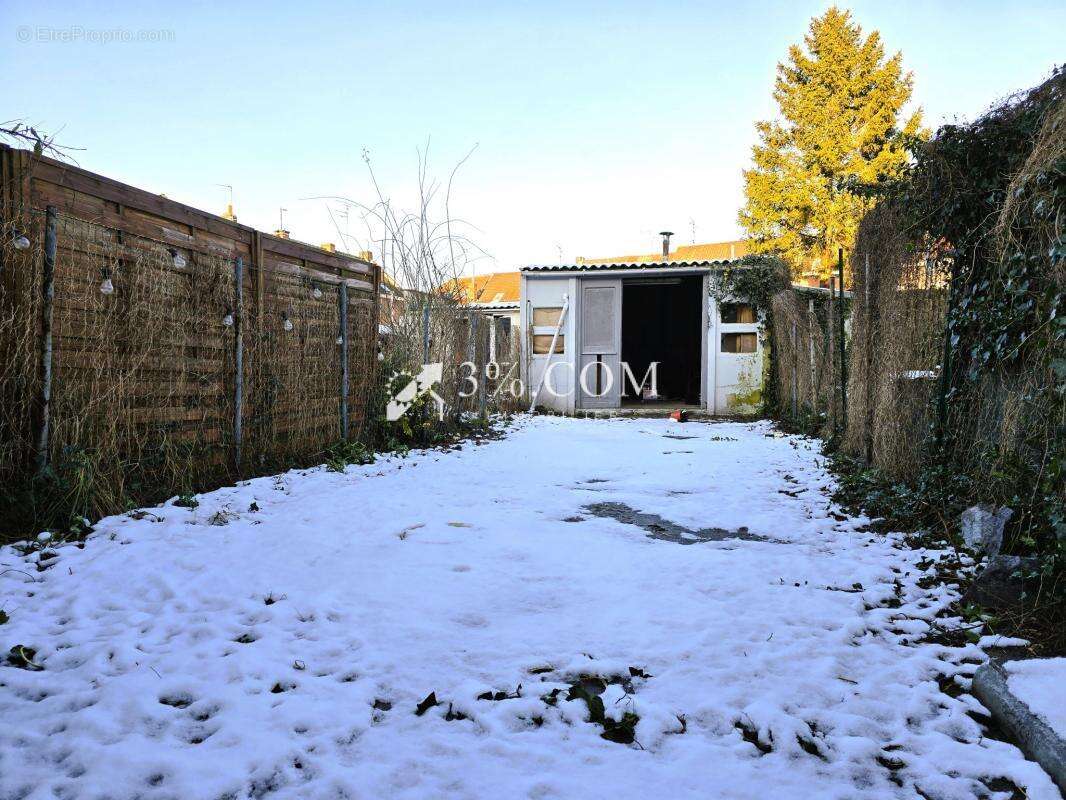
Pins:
x: 597, y: 124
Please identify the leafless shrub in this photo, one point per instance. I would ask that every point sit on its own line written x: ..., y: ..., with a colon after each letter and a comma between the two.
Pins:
x: 900, y: 297
x: 425, y: 251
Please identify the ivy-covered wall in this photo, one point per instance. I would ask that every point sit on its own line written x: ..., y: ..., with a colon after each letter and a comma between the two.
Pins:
x: 968, y: 266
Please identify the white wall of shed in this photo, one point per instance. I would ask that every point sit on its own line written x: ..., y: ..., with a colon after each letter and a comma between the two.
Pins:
x: 549, y: 293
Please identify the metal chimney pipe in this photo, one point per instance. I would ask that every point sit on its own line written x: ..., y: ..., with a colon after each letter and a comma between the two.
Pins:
x: 666, y: 243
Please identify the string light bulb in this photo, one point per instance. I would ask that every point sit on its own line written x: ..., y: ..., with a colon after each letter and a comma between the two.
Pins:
x: 381, y: 356
x: 179, y: 259
x: 106, y: 286
x: 228, y: 319
x: 287, y: 324
x: 316, y: 292
x: 340, y: 340
x: 18, y: 238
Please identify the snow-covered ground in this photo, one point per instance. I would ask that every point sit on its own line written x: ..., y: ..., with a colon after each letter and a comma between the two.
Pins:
x: 276, y: 641
x: 1040, y: 683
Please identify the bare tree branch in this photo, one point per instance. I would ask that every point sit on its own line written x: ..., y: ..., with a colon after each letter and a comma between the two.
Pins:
x: 17, y: 131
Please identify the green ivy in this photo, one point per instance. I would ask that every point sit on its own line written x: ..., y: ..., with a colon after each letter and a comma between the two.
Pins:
x: 1006, y: 322
x: 342, y: 454
x: 757, y: 279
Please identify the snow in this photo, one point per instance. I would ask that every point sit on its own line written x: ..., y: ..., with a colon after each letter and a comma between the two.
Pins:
x: 997, y: 641
x: 1040, y: 683
x: 226, y: 652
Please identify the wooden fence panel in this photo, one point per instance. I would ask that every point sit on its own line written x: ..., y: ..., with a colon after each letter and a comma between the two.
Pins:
x: 144, y: 353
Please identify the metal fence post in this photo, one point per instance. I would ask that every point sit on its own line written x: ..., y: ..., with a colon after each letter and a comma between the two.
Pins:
x: 425, y: 333
x: 830, y: 349
x: 482, y: 376
x: 946, y: 356
x: 795, y: 375
x: 342, y: 299
x: 811, y: 321
x: 843, y: 347
x: 472, y: 345
x: 238, y: 360
x: 48, y: 288
x: 869, y: 444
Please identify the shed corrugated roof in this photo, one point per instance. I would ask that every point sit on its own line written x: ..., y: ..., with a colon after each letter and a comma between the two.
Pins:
x: 616, y: 265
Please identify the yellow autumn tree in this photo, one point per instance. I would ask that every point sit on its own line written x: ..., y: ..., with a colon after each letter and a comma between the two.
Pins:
x: 839, y: 133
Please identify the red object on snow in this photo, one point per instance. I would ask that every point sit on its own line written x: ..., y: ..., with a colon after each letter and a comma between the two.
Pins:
x: 679, y: 416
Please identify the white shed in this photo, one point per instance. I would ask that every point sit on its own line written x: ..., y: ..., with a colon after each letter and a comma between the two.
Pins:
x: 641, y: 335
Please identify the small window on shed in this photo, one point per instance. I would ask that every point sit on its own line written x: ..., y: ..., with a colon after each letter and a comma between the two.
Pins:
x: 739, y: 343
x: 546, y: 317
x: 737, y: 312
x: 542, y: 343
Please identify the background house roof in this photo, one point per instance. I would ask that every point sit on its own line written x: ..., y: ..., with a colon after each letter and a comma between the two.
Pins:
x: 711, y: 251
x: 496, y: 288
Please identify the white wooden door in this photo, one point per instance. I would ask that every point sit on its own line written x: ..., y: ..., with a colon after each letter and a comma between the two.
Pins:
x: 599, y: 378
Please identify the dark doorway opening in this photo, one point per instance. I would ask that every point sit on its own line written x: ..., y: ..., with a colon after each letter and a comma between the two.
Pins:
x: 662, y: 320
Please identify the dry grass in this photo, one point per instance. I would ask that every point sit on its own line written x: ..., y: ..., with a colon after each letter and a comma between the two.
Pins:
x: 806, y: 359
x: 1025, y: 188
x: 897, y: 339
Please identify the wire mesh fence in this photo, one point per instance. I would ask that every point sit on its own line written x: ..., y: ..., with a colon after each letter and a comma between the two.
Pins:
x: 874, y: 394
x: 478, y: 352
x: 900, y: 300
x: 806, y: 359
x: 895, y: 330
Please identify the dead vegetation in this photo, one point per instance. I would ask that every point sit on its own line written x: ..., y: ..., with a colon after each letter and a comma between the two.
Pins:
x: 956, y: 391
x: 900, y: 299
x: 142, y: 402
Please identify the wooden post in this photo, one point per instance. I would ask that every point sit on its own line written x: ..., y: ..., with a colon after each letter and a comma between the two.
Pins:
x: 843, y: 347
x: 490, y: 352
x: 48, y: 289
x: 371, y: 376
x: 260, y: 274
x: 238, y: 360
x: 811, y: 322
x: 342, y: 299
x: 471, y: 343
